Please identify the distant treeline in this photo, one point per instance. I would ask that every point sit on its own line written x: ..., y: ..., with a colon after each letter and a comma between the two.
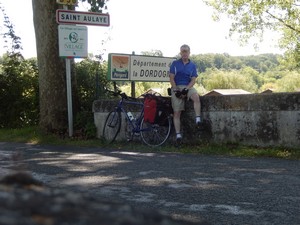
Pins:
x: 261, y: 63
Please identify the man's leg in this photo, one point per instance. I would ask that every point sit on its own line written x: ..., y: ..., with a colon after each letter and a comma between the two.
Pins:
x: 178, y: 106
x: 197, y: 105
x: 176, y: 120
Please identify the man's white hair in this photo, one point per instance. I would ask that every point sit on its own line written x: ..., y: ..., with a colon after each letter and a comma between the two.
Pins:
x: 185, y: 47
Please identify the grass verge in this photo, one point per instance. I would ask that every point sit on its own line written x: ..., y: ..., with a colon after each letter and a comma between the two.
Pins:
x: 34, y: 136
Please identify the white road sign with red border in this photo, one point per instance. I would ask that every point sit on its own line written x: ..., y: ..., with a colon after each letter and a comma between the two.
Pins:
x: 85, y: 18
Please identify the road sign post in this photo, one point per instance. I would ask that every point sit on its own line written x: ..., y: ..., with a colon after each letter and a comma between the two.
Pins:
x: 72, y: 44
x: 73, y: 41
x: 69, y: 96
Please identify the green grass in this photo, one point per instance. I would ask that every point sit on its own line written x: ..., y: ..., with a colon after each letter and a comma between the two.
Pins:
x: 34, y: 136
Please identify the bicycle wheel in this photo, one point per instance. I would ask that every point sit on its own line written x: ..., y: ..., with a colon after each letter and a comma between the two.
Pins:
x: 112, y: 126
x: 155, y: 134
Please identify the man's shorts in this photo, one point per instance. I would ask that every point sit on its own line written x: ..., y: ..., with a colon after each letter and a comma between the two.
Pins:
x: 178, y: 104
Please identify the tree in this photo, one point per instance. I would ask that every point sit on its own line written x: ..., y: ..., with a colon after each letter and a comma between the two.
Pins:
x: 203, y: 61
x: 218, y: 79
x: 18, y: 91
x: 12, y: 41
x: 253, y: 18
x: 52, y: 81
x: 152, y: 53
x: 87, y: 81
x: 289, y: 83
x: 90, y: 77
x: 18, y: 82
x: 253, y: 74
x: 219, y: 60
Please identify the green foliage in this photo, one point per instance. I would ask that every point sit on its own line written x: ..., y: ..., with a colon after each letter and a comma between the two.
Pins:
x: 18, y: 91
x: 261, y: 63
x: 291, y: 58
x: 218, y: 79
x: 253, y: 18
x: 91, y: 80
x: 18, y: 82
x: 19, y: 98
x: 152, y: 53
x: 289, y: 83
x: 13, y: 42
x: 96, y: 5
x: 84, y: 123
x: 251, y: 73
x: 203, y: 61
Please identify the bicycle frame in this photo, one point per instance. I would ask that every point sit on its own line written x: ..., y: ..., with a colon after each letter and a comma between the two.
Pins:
x: 152, y: 134
x: 134, y: 124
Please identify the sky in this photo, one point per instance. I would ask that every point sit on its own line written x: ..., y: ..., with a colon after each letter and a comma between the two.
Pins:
x: 145, y: 25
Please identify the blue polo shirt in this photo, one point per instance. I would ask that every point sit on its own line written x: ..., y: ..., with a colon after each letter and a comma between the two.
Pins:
x: 183, y: 73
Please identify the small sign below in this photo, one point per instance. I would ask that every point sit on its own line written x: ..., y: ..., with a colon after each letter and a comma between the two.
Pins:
x: 85, y: 18
x: 73, y: 41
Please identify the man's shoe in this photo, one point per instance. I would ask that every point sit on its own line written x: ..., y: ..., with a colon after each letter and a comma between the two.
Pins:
x: 199, y: 125
x: 178, y: 141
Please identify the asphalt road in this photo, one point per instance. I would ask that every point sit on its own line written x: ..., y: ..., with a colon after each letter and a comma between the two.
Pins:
x: 222, y: 190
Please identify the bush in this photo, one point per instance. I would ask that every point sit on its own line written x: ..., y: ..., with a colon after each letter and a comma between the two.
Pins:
x: 84, y: 125
x: 18, y: 92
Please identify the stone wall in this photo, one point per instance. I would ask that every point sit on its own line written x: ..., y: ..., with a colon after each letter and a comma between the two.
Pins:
x: 254, y: 119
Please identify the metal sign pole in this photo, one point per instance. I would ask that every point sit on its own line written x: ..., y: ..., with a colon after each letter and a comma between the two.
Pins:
x: 133, y: 84
x: 69, y: 92
x: 69, y: 96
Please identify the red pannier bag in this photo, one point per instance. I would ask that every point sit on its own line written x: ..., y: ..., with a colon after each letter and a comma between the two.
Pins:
x: 150, y: 108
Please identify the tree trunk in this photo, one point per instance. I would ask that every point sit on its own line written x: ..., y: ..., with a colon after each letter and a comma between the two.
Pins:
x: 52, y: 78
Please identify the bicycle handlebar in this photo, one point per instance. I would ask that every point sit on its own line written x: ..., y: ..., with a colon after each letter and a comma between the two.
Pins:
x: 119, y: 93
